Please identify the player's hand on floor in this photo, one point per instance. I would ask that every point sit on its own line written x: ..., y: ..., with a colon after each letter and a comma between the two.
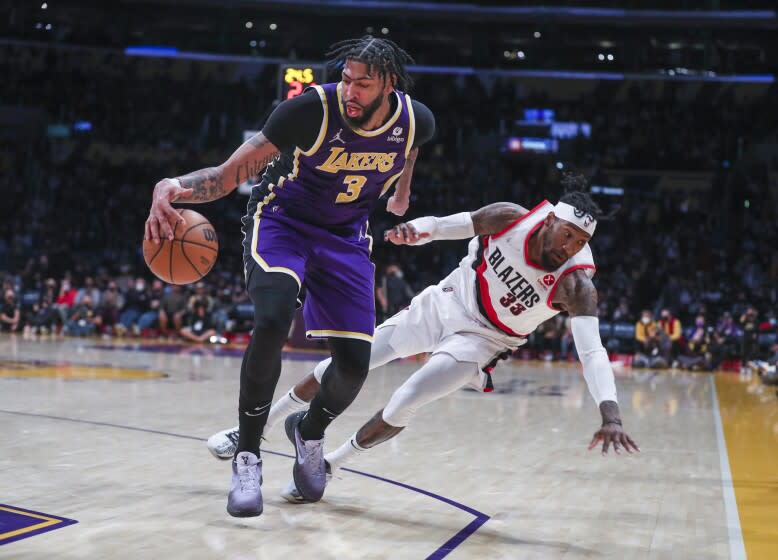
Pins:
x: 404, y: 234
x: 613, y: 434
x: 162, y: 216
x: 398, y: 205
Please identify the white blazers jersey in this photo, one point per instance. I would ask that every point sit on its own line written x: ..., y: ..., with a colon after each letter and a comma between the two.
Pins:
x: 505, y: 287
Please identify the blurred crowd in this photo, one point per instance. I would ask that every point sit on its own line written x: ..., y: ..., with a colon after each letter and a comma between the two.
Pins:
x: 686, y: 278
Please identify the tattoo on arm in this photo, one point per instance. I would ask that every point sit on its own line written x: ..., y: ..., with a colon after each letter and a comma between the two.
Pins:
x: 247, y: 162
x: 206, y: 184
x: 577, y: 295
x: 496, y: 217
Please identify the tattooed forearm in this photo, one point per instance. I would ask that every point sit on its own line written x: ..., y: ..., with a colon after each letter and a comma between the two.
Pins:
x: 252, y: 168
x: 577, y: 295
x: 496, y: 217
x: 609, y: 410
x: 246, y: 163
x: 206, y: 184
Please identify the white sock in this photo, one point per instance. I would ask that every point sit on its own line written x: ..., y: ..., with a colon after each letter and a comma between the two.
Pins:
x: 283, y: 407
x: 345, y: 453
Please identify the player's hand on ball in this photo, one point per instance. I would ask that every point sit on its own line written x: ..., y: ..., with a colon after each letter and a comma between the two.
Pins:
x: 162, y: 216
x: 398, y: 205
x: 613, y: 434
x: 404, y: 234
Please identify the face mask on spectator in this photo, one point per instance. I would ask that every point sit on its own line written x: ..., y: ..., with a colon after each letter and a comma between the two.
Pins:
x: 140, y: 286
x: 645, y: 320
x: 699, y: 322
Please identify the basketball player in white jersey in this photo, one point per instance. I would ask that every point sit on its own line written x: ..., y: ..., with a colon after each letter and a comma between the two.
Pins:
x: 523, y: 268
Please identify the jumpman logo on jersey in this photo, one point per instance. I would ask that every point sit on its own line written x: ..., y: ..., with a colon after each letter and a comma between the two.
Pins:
x: 338, y: 138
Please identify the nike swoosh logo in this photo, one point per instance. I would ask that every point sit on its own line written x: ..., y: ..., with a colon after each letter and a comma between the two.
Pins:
x: 259, y: 409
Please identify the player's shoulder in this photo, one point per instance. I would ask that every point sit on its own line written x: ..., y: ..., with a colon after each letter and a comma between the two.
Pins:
x: 425, y: 122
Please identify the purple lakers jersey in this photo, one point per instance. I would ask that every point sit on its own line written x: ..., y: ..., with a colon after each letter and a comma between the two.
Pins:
x: 337, y: 182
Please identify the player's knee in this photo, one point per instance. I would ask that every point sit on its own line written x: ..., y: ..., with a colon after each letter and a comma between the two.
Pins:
x: 402, y: 407
x: 351, y: 358
x: 274, y: 307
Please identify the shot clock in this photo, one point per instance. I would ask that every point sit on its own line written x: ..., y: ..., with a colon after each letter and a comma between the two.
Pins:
x: 293, y: 80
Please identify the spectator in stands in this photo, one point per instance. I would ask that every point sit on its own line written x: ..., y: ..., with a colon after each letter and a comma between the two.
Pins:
x: 90, y: 289
x: 698, y: 345
x: 10, y: 313
x: 83, y: 320
x: 749, y: 346
x: 136, y: 303
x: 725, y: 338
x: 66, y: 299
x: 150, y: 318
x: 653, y: 344
x: 108, y: 311
x: 201, y: 294
x: 172, y: 309
x: 672, y: 327
x: 41, y: 319
x: 199, y: 327
x: 395, y: 292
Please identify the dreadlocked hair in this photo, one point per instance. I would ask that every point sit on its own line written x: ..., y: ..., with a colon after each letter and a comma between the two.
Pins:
x: 383, y: 55
x: 576, y: 195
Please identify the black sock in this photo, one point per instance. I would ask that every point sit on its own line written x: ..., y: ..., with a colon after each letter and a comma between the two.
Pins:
x: 252, y: 422
x: 316, y: 420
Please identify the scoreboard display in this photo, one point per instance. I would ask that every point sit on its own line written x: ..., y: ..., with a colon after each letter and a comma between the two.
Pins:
x: 293, y: 79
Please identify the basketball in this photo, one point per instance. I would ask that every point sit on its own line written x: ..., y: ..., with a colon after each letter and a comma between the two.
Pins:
x: 189, y: 256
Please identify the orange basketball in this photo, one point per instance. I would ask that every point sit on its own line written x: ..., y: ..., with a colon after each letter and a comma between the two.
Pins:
x: 190, y: 255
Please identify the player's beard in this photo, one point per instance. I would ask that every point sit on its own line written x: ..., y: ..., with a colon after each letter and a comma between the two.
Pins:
x: 367, y: 111
x: 546, y: 256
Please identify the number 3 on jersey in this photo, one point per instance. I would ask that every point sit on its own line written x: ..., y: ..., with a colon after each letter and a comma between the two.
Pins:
x: 354, y: 184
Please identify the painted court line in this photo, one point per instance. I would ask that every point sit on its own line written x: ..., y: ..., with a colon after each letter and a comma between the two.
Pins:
x: 737, y: 550
x: 441, y: 552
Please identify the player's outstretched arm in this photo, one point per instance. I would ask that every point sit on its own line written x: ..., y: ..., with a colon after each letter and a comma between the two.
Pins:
x: 206, y: 184
x: 488, y: 220
x: 398, y: 203
x: 577, y: 295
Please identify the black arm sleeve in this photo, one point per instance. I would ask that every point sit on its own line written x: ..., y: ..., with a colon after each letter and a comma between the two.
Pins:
x: 296, y: 122
x: 425, y: 123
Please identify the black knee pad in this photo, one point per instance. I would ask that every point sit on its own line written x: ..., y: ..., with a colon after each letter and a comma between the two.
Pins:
x: 351, y: 357
x: 274, y: 295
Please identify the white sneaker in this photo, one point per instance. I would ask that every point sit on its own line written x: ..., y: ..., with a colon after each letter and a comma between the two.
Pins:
x: 223, y: 445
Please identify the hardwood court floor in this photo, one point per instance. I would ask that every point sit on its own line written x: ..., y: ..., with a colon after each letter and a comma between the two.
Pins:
x: 111, y: 436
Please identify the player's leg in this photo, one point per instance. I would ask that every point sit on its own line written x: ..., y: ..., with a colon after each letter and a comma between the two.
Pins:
x: 419, y: 328
x: 440, y: 376
x: 299, y: 396
x: 222, y: 444
x: 274, y: 265
x: 274, y: 295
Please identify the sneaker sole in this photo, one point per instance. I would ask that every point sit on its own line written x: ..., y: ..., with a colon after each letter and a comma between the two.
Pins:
x: 220, y: 457
x: 245, y: 513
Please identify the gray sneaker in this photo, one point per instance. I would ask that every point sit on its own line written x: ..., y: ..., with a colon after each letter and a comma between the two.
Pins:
x: 291, y: 494
x: 309, y: 472
x: 245, y: 499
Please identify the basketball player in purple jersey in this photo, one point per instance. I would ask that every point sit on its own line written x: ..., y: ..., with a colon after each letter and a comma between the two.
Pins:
x: 328, y: 156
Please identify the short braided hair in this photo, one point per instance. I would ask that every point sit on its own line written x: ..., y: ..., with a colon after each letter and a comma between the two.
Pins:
x: 576, y: 186
x: 383, y: 55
